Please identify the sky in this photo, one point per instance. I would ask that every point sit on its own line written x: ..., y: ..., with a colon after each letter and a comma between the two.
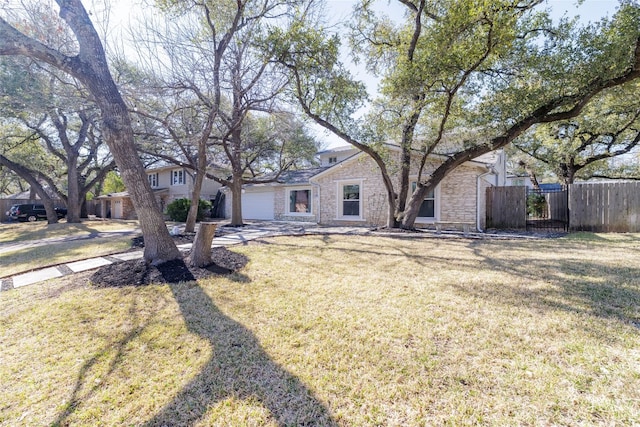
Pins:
x: 340, y: 10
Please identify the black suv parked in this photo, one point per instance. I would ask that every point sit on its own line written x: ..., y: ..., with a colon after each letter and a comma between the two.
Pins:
x: 33, y: 212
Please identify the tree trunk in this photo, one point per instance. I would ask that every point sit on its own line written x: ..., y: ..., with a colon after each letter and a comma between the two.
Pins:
x: 192, y: 216
x: 200, y: 255
x: 158, y: 244
x: 73, y: 192
x: 413, y: 207
x: 392, y: 221
x: 236, y: 202
x: 90, y: 67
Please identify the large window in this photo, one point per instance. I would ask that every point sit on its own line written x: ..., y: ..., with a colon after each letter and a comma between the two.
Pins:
x: 428, y: 206
x: 177, y: 177
x: 153, y: 179
x: 299, y: 201
x: 350, y: 205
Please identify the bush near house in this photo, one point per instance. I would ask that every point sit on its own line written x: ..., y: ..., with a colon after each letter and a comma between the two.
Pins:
x: 179, y: 209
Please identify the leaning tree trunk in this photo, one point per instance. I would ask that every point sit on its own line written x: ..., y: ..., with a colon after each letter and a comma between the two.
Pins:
x: 200, y: 255
x: 158, y: 244
x: 413, y: 207
x: 90, y: 67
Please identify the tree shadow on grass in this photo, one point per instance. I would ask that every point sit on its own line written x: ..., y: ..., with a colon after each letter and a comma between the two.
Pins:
x: 83, y: 389
x: 239, y: 368
x: 571, y: 284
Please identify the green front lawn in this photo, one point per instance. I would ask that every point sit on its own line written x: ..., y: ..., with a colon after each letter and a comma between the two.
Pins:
x: 340, y: 330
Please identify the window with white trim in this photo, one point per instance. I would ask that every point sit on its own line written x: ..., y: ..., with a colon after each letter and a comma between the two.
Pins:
x: 428, y: 206
x: 299, y: 202
x: 333, y: 160
x: 177, y: 177
x: 153, y: 179
x: 350, y: 202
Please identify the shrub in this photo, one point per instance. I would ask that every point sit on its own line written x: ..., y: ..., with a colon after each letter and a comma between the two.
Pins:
x: 179, y: 209
x: 536, y: 205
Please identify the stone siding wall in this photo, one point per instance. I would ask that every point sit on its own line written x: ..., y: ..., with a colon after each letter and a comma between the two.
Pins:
x: 280, y: 204
x: 456, y: 196
x: 372, y: 193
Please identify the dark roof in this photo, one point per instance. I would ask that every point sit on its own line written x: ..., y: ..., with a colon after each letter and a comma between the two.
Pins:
x: 551, y: 187
x: 295, y: 177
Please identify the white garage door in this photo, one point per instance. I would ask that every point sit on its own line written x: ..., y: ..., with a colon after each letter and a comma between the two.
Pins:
x: 257, y: 205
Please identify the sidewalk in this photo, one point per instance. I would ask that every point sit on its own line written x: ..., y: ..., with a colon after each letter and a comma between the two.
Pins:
x: 225, y: 236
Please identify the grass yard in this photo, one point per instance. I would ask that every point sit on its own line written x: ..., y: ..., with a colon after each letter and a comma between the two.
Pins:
x: 28, y: 258
x: 340, y: 331
x: 22, y: 231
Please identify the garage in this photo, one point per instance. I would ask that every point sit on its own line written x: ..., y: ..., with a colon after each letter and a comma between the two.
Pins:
x: 257, y: 205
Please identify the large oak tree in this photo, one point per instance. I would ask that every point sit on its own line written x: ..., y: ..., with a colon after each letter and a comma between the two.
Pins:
x: 459, y: 78
x: 590, y: 145
x: 86, y: 61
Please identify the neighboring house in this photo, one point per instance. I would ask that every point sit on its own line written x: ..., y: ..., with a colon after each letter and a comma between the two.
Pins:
x: 168, y: 183
x: 349, y: 191
x: 336, y: 155
x: 519, y: 181
x: 515, y: 180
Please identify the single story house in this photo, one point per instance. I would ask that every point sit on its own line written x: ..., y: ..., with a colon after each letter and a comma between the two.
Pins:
x: 168, y: 183
x: 347, y: 189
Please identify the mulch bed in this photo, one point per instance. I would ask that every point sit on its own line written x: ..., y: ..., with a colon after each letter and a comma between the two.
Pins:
x: 138, y: 272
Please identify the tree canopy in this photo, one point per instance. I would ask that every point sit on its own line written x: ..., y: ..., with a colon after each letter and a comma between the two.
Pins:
x: 84, y: 59
x: 603, y: 141
x: 458, y: 79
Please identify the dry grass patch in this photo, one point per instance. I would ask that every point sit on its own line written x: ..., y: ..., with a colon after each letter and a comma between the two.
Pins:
x: 27, y: 259
x: 24, y: 231
x: 341, y: 330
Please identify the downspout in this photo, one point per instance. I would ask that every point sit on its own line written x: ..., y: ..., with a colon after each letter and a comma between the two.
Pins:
x: 490, y: 171
x: 318, y: 214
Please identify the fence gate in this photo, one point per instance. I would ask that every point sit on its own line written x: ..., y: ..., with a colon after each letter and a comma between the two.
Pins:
x: 519, y: 208
x: 548, y: 210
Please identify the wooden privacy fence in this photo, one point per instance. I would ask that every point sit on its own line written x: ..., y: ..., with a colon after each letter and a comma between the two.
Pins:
x: 597, y: 207
x: 507, y: 207
x: 605, y: 207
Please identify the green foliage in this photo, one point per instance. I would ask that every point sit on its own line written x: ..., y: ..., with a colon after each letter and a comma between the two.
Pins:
x: 583, y: 147
x: 179, y: 209
x: 113, y: 183
x: 322, y: 82
x: 536, y: 204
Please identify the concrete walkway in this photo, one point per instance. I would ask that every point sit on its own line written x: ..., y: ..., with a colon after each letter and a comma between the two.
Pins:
x: 225, y: 236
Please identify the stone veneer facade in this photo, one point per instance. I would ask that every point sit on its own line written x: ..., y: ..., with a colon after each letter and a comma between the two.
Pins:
x: 456, y: 196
